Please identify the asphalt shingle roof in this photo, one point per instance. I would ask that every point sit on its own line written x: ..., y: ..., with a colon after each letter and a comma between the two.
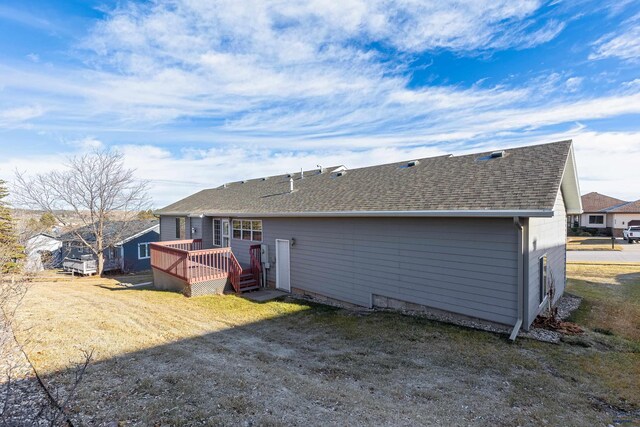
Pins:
x: 113, y: 230
x: 596, y: 202
x: 526, y: 178
x: 629, y: 207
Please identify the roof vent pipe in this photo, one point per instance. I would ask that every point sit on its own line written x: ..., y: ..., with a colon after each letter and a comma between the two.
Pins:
x: 290, y: 185
x: 301, y: 174
x: 321, y: 168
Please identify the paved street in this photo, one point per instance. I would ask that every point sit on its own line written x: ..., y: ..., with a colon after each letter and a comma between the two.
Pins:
x: 629, y: 253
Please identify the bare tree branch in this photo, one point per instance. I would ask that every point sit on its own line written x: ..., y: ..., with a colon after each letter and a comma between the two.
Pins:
x: 94, y: 191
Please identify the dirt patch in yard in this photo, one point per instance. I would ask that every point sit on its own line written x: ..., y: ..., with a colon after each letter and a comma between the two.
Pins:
x: 162, y: 358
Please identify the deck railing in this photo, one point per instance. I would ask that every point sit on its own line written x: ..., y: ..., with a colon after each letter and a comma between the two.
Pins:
x: 186, y: 260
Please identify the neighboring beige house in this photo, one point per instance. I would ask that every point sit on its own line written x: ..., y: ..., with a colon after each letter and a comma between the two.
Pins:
x: 606, y: 213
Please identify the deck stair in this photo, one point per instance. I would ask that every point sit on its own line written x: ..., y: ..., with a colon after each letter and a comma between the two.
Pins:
x: 247, y: 282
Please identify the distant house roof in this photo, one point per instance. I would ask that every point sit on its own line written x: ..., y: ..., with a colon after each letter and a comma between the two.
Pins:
x: 596, y: 202
x: 47, y: 235
x: 525, y: 181
x: 627, y: 207
x: 114, y: 231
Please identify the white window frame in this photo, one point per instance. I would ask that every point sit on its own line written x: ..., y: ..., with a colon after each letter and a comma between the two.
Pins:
x: 148, y: 251
x: 217, y: 232
x: 596, y: 216
x: 251, y: 230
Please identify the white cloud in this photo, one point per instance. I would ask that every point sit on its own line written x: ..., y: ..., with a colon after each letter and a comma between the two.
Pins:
x: 623, y: 44
x: 88, y: 143
x: 279, y: 86
x: 574, y: 83
x: 16, y: 117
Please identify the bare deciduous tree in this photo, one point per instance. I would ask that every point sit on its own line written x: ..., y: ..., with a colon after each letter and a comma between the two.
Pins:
x: 94, y: 191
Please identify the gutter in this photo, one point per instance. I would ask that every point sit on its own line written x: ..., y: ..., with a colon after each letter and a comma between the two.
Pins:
x: 520, y: 307
x: 541, y: 213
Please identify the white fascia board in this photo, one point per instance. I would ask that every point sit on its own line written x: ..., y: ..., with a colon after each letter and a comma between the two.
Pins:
x: 527, y: 213
x: 390, y: 214
x: 570, y: 186
x: 128, y: 239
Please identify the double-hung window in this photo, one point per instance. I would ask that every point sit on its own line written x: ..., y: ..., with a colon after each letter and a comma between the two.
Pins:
x: 596, y: 219
x: 217, y: 232
x: 247, y: 230
x: 143, y: 251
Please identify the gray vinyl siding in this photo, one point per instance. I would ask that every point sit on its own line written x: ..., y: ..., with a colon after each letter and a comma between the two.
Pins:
x: 207, y: 232
x: 167, y: 228
x: 547, y: 235
x: 466, y: 266
x: 240, y: 249
x: 195, y: 223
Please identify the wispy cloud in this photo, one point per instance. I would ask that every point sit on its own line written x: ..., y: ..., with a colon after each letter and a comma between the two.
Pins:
x: 24, y: 17
x: 265, y: 87
x: 624, y: 43
x: 18, y: 116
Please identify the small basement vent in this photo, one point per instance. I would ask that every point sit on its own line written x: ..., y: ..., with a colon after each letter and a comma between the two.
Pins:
x: 497, y: 154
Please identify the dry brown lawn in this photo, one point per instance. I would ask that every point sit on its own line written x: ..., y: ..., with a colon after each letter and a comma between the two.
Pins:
x: 591, y: 244
x: 163, y: 359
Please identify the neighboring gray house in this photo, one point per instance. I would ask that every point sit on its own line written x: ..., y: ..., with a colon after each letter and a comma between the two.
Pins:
x: 481, y: 235
x: 130, y: 251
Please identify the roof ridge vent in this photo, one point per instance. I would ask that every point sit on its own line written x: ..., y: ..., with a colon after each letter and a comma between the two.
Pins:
x: 496, y: 154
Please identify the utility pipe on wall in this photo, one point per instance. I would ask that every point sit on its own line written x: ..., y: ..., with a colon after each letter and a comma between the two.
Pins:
x: 518, y: 324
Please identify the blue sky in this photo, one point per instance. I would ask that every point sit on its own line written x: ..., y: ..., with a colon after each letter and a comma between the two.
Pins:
x: 196, y: 93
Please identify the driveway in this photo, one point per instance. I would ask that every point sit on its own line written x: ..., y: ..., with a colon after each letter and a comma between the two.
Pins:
x: 629, y: 253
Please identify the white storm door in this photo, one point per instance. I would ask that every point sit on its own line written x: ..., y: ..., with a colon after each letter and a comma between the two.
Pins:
x: 283, y: 267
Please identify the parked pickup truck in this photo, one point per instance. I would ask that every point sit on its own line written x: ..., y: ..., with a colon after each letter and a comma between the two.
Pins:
x: 631, y: 234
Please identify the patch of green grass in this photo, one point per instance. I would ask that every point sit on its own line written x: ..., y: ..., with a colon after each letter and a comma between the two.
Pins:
x: 240, y: 310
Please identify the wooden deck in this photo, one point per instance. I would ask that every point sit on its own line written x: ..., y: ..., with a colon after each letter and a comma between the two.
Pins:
x: 186, y: 260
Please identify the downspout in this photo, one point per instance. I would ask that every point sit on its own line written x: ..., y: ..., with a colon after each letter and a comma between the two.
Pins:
x: 518, y: 324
